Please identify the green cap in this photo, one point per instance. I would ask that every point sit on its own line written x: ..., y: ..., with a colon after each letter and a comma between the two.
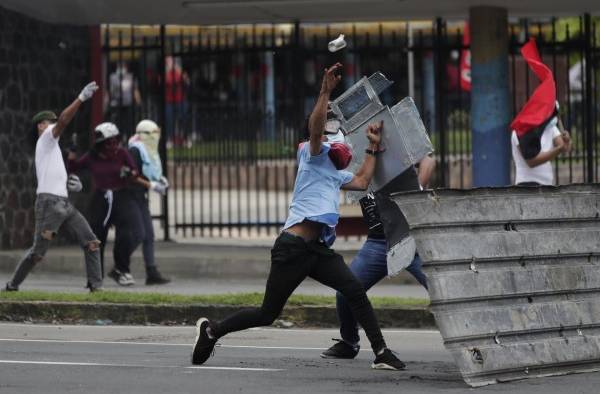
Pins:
x: 44, y: 115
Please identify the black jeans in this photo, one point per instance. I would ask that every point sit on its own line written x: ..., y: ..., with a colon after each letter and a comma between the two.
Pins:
x: 122, y: 212
x: 292, y: 260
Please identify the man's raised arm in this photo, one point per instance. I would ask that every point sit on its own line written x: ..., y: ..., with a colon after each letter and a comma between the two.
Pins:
x: 68, y: 113
x: 316, y: 122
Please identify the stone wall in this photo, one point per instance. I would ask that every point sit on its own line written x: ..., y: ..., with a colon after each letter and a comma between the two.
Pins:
x: 42, y: 66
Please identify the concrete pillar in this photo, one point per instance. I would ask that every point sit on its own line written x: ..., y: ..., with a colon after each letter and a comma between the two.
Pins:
x: 490, y: 101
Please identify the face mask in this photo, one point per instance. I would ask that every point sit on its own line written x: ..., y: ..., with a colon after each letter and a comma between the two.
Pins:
x: 340, y: 154
x: 337, y: 138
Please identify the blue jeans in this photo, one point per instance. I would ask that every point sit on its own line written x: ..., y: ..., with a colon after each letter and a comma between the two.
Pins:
x: 369, y: 266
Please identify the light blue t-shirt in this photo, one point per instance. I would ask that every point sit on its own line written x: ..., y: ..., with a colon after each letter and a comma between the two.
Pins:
x: 317, y: 191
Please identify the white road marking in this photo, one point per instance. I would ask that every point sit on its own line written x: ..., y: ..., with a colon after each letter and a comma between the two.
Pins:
x: 67, y: 327
x: 65, y: 363
x: 156, y: 344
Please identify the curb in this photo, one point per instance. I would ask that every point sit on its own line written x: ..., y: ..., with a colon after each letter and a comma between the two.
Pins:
x: 141, y: 314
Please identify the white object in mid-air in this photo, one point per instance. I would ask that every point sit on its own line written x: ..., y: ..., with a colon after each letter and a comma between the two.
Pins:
x: 337, y: 44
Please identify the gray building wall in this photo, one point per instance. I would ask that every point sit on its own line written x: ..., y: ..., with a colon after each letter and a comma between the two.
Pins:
x: 42, y: 66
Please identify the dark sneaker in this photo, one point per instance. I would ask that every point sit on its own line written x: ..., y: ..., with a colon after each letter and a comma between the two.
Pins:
x: 10, y: 287
x: 388, y: 360
x: 341, y: 349
x: 154, y: 277
x: 114, y: 274
x: 204, y: 346
x: 157, y: 280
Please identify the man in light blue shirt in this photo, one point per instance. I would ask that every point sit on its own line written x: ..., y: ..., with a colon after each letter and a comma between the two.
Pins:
x: 303, y: 248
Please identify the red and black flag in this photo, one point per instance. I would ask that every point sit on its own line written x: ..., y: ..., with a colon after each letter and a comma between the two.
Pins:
x: 540, y: 109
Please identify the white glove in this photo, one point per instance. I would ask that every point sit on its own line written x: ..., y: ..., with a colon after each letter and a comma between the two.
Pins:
x: 74, y: 184
x: 164, y: 181
x: 88, y: 91
x: 158, y: 187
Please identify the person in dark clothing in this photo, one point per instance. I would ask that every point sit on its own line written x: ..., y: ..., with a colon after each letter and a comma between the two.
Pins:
x: 303, y: 248
x: 143, y: 147
x: 370, y: 267
x: 113, y: 171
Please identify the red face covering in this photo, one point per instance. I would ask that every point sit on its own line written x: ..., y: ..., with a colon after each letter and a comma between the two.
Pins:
x: 340, y: 155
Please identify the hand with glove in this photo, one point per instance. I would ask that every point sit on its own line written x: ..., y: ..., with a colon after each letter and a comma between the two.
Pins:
x: 158, y: 187
x: 74, y: 184
x: 164, y: 181
x: 88, y: 91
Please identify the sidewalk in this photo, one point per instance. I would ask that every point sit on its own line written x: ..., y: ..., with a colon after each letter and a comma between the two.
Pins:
x: 198, y: 268
x: 195, y: 268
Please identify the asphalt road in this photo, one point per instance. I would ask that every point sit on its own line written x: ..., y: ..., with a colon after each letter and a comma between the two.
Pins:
x: 112, y: 359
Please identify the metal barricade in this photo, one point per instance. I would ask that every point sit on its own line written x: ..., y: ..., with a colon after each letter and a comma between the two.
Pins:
x: 513, y: 277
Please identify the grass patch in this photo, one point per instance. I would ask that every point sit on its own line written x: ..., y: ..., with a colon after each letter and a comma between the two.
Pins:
x: 246, y: 299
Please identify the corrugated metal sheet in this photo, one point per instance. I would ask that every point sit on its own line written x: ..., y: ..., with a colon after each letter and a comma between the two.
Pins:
x: 514, y: 277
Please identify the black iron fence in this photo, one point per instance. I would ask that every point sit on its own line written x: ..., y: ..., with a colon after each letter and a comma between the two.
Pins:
x: 232, y: 101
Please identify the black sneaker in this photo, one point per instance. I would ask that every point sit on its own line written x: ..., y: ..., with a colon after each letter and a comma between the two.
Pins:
x: 157, y: 280
x: 388, y: 360
x: 204, y: 346
x: 10, y: 287
x: 341, y: 349
x: 154, y: 277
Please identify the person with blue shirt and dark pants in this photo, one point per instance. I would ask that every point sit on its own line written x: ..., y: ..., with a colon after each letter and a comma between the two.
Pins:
x: 303, y: 248
x: 370, y: 266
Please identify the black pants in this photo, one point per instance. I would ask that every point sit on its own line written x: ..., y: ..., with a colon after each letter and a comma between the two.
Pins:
x: 126, y: 217
x: 292, y: 260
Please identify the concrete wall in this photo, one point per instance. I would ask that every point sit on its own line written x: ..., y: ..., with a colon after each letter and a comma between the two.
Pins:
x: 42, y: 66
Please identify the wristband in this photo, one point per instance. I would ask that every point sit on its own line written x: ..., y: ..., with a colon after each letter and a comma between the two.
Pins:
x: 371, y: 152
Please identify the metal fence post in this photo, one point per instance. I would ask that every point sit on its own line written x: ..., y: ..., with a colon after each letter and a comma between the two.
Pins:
x: 439, y: 67
x: 163, y: 140
x: 588, y: 123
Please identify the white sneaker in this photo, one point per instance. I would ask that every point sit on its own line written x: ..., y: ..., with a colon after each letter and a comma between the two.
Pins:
x: 126, y: 279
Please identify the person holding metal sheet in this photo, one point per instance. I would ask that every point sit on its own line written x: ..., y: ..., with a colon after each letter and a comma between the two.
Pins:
x: 303, y: 248
x: 536, y: 137
x: 370, y: 267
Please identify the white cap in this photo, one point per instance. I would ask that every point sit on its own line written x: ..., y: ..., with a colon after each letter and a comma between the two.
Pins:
x: 105, y: 131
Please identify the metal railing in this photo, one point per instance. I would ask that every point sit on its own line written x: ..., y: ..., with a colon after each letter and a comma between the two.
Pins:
x: 232, y: 101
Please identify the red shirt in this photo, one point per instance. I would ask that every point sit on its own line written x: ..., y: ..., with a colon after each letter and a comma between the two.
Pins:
x: 106, y: 172
x: 174, y: 86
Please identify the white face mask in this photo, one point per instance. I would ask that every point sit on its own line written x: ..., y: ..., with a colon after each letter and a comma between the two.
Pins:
x: 332, y: 126
x: 338, y: 137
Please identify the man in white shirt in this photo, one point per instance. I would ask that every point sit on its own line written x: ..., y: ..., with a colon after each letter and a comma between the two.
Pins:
x: 537, y: 170
x: 52, y: 206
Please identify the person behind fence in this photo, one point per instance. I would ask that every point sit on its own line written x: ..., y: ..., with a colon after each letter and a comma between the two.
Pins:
x: 143, y: 148
x: 303, y: 249
x: 113, y: 171
x: 176, y: 82
x: 52, y: 206
x: 370, y: 267
x: 536, y: 139
x: 123, y: 96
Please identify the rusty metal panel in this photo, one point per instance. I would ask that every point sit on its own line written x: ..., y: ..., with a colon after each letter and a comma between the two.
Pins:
x: 514, y: 277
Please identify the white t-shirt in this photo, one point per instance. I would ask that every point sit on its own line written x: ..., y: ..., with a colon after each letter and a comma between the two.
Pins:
x: 543, y: 173
x: 49, y: 165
